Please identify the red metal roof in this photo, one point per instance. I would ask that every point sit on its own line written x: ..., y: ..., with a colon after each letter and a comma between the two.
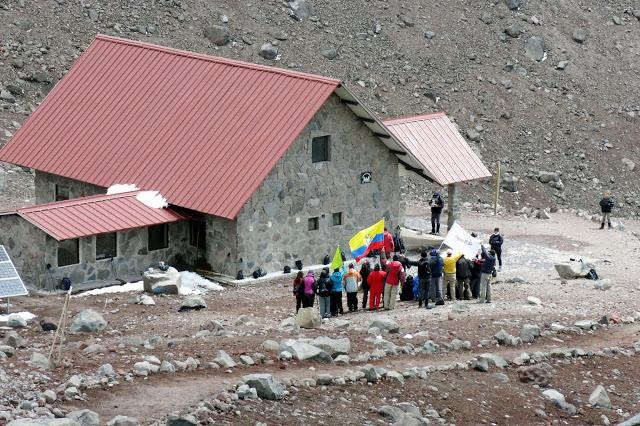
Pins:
x: 435, y: 141
x: 98, y: 214
x: 204, y: 131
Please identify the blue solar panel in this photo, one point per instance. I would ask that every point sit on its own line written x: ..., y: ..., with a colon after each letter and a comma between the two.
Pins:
x: 10, y: 282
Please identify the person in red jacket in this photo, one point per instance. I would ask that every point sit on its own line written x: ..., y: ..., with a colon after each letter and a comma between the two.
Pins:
x: 388, y: 243
x: 376, y: 282
x: 395, y: 275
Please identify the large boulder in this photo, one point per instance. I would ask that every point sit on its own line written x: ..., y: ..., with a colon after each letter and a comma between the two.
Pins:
x: 510, y: 183
x: 493, y: 359
x: 385, y: 324
x: 123, y: 421
x: 571, y: 270
x: 308, y: 318
x: 223, y: 359
x: 13, y: 339
x: 162, y: 282
x: 85, y: 417
x: 16, y: 321
x: 304, y: 351
x: 529, y: 333
x: 265, y: 386
x: 40, y: 361
x: 333, y: 347
x: 193, y: 302
x: 88, y: 321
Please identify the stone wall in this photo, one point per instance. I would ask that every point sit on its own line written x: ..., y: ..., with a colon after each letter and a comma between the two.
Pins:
x: 45, y: 187
x: 25, y: 245
x: 222, y: 245
x: 273, y: 225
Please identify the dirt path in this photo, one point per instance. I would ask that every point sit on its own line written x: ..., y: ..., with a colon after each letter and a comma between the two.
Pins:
x: 161, y: 394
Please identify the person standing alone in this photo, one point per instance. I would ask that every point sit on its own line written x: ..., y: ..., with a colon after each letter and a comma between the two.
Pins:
x: 495, y: 241
x: 437, y: 204
x: 606, y: 205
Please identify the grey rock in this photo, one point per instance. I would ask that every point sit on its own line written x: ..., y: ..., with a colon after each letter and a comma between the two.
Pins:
x: 376, y: 28
x: 14, y: 340
x: 246, y: 360
x: 16, y: 321
x: 473, y: 135
x: 579, y: 35
x: 509, y: 183
x: 265, y: 386
x: 324, y: 379
x: 6, y: 96
x: 303, y: 351
x: 193, y: 302
x: 617, y: 20
x: 600, y: 398
x: 212, y: 326
x: 532, y: 300
x: 630, y: 165
x: 570, y: 409
x: 217, y: 35
x: 553, y: 395
x: 494, y: 359
x: 529, y: 333
x: 333, y: 347
x: 514, y: 4
x: 501, y: 377
x: 395, y: 376
x: 308, y: 318
x: 586, y: 324
x: 539, y: 374
x: 167, y: 368
x: 429, y: 35
x: 268, y: 51
x: 162, y: 282
x: 123, y: 421
x: 224, y: 359
x: 40, y: 361
x: 85, y: 417
x: 330, y: 53
x: 535, y: 48
x: 43, y: 422
x: 632, y: 421
x: 513, y: 30
x: 144, y: 368
x: 9, y: 351
x: 385, y: 324
x: 186, y: 420
x: 371, y: 373
x: 271, y: 346
x: 342, y: 360
x: 300, y: 9
x: 480, y: 364
x: 49, y: 396
x: 106, y: 370
x: 88, y: 321
x: 561, y: 66
x: 430, y: 347
x: 94, y: 349
x: 245, y: 392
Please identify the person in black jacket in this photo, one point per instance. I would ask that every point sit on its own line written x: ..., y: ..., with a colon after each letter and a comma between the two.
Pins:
x: 606, y: 205
x: 476, y: 272
x: 424, y: 275
x: 495, y: 241
x: 488, y: 268
x: 324, y: 286
x: 365, y: 270
x: 437, y: 204
x: 463, y: 273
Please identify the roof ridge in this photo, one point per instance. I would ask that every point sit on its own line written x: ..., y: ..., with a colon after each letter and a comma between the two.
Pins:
x: 78, y: 201
x: 410, y: 118
x: 219, y: 59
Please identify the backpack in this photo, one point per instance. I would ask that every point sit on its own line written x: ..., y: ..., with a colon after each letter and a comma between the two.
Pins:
x: 287, y: 269
x: 592, y: 275
x: 258, y: 273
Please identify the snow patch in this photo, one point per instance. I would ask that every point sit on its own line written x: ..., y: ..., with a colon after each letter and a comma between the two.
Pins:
x: 119, y: 188
x: 194, y: 283
x: 128, y: 287
x: 27, y: 316
x: 152, y: 199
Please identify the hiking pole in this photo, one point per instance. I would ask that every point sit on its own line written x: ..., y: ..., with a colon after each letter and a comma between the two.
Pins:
x: 64, y: 324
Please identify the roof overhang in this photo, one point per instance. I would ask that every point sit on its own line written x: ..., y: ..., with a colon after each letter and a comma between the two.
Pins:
x: 99, y: 214
x: 395, y: 146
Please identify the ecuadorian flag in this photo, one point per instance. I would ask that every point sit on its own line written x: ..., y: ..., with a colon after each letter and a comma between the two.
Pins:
x: 371, y: 238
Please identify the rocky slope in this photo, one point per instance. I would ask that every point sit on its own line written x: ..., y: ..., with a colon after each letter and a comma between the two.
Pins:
x: 541, y: 86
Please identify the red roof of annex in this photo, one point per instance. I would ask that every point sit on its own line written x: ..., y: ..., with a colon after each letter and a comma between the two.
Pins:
x: 204, y: 131
x: 439, y: 146
x: 98, y: 214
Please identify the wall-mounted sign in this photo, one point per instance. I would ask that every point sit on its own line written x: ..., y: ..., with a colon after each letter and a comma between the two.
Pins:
x: 365, y: 177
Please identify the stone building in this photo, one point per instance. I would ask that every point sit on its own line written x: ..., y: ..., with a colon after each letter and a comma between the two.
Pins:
x: 260, y: 167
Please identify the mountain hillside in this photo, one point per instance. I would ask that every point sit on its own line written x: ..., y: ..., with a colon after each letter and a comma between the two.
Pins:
x: 548, y: 88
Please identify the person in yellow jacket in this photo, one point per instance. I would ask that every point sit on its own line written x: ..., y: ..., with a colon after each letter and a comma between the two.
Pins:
x: 449, y: 270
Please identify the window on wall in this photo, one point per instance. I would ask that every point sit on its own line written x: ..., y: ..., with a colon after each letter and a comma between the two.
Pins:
x: 61, y: 193
x: 320, y: 149
x: 68, y: 252
x: 313, y: 224
x: 106, y: 246
x: 158, y: 237
x: 337, y: 219
x: 198, y: 234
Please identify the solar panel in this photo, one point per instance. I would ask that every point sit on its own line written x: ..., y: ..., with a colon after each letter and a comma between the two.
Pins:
x: 10, y: 282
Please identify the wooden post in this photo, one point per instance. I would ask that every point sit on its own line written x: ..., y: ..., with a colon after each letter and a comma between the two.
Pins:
x: 61, y: 324
x: 495, y: 205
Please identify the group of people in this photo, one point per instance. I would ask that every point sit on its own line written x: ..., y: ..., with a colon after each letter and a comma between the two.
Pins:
x: 463, y: 279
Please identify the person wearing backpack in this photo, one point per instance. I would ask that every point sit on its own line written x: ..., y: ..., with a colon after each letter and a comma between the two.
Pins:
x: 463, y: 274
x: 336, y: 292
x: 298, y: 289
x: 606, y: 206
x: 435, y: 288
x: 324, y: 286
x: 424, y: 275
x: 309, y: 290
x: 350, y: 281
x: 365, y: 270
x: 437, y: 204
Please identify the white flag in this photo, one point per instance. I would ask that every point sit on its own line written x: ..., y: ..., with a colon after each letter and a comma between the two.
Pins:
x: 461, y: 241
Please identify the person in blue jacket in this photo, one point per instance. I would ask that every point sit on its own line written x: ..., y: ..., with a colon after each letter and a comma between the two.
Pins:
x: 336, y: 291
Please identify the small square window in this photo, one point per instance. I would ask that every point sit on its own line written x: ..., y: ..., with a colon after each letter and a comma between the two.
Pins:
x: 106, y: 246
x: 69, y: 252
x: 320, y: 149
x: 62, y: 193
x: 313, y: 224
x: 158, y: 237
x: 198, y: 234
x: 337, y: 219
